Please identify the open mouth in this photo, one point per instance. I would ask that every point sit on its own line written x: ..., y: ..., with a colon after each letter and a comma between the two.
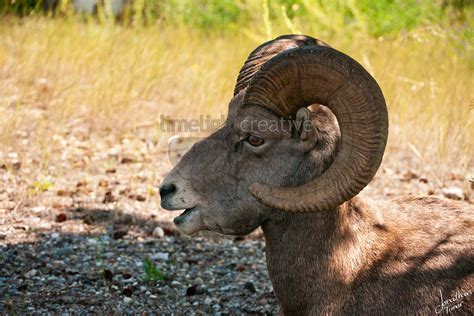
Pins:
x: 181, y: 218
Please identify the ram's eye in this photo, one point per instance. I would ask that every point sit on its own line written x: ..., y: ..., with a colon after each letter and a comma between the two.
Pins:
x: 255, y: 141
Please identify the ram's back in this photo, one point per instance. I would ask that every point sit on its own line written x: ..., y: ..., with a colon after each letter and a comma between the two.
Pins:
x: 428, y: 257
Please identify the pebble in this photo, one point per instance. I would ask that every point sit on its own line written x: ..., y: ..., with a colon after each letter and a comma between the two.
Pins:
x: 109, y: 255
x: 63, y: 252
x: 31, y: 273
x: 453, y: 193
x: 249, y: 286
x: 192, y: 290
x: 67, y: 299
x: 158, y: 232
x: 160, y: 256
x: 227, y: 288
x: 72, y: 267
x: 176, y: 283
x: 38, y: 209
x: 92, y: 241
x: 198, y: 281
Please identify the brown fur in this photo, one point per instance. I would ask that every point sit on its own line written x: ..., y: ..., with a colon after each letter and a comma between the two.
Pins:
x: 383, y: 259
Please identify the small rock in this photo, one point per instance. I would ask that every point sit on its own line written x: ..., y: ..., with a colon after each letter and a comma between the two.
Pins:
x: 127, y: 291
x: 138, y: 197
x: 207, y: 300
x: 81, y: 184
x: 453, y: 193
x: 109, y: 255
x: 127, y: 300
x: 92, y: 241
x: 160, y: 256
x: 108, y: 275
x: 103, y: 183
x: 67, y: 299
x: 105, y: 238
x: 408, y: 176
x: 62, y: 217
x: 71, y: 271
x: 38, y: 209
x: 109, y: 197
x: 16, y: 165
x: 226, y: 288
x: 175, y: 283
x: 129, y: 159
x: 126, y: 275
x: 249, y: 286
x: 240, y: 267
x: 199, y: 281
x: 158, y: 232
x: 64, y: 193
x: 31, y: 273
x: 192, y: 290
x: 63, y: 252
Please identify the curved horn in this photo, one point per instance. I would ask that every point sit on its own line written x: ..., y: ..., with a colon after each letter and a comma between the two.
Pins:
x: 315, y: 74
x: 263, y: 53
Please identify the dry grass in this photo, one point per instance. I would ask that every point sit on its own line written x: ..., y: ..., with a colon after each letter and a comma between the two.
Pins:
x: 59, y: 73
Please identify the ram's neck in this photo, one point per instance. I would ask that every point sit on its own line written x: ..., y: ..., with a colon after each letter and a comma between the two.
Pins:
x: 313, y: 258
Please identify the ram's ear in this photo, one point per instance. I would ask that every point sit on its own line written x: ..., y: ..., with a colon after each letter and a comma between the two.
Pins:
x: 307, y: 133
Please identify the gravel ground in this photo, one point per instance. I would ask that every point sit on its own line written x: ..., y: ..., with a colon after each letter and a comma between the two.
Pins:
x: 86, y: 233
x: 101, y: 274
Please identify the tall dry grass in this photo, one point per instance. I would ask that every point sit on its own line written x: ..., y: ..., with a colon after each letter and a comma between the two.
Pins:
x: 58, y: 73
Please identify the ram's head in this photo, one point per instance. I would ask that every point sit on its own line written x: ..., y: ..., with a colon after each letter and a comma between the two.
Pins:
x: 279, y: 149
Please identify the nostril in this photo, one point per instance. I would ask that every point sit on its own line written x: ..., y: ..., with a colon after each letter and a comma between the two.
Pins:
x: 166, y: 189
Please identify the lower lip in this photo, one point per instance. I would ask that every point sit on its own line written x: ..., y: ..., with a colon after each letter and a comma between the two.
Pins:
x: 181, y: 218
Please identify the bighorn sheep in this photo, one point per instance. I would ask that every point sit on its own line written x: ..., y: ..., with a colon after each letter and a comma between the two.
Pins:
x: 328, y: 252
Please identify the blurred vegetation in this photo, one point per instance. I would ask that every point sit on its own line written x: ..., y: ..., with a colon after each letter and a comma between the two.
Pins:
x: 113, y: 72
x: 377, y: 18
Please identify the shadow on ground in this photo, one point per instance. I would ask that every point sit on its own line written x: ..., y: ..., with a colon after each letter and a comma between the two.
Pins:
x: 121, y: 264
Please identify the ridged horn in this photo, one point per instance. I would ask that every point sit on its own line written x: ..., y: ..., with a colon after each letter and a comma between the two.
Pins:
x: 263, y: 53
x: 307, y: 75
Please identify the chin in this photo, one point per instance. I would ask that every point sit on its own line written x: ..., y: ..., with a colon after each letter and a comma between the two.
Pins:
x: 233, y: 231
x: 190, y: 221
